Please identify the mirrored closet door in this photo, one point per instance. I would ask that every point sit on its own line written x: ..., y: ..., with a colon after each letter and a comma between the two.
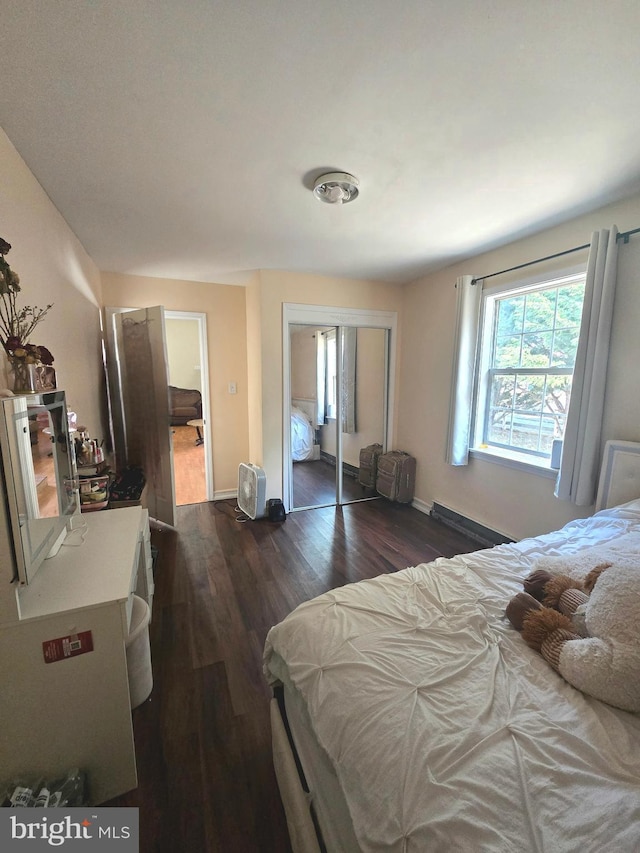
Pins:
x: 337, y: 392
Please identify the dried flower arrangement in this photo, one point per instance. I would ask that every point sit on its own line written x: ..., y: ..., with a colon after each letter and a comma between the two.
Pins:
x: 17, y: 324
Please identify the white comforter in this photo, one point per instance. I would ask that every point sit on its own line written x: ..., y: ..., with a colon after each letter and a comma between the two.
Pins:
x: 302, y: 436
x: 445, y: 731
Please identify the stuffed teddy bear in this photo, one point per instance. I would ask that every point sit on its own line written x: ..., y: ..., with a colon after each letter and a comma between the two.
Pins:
x: 589, y: 631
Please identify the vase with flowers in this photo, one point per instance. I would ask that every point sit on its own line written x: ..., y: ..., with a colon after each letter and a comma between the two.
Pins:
x: 29, y: 365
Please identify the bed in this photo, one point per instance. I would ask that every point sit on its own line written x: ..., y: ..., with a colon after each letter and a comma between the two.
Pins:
x: 408, y: 715
x: 302, y: 433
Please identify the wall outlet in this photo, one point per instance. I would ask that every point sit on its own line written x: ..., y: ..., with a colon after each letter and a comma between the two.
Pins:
x: 233, y: 388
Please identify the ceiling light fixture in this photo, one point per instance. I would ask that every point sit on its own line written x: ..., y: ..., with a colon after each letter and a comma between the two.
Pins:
x: 336, y: 188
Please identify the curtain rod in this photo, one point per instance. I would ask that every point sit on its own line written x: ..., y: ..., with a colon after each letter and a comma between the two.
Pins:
x: 623, y: 235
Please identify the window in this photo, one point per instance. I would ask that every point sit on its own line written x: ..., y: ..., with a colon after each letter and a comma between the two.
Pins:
x: 527, y: 355
x: 331, y: 373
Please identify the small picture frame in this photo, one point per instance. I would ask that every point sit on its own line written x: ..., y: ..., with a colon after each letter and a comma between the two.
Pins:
x: 45, y: 378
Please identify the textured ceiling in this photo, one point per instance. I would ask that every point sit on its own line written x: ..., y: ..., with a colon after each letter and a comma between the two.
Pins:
x: 181, y: 139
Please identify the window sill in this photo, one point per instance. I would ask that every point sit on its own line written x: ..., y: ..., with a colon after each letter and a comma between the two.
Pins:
x: 510, y: 459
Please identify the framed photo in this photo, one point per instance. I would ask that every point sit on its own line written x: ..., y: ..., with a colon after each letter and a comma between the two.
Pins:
x: 45, y: 378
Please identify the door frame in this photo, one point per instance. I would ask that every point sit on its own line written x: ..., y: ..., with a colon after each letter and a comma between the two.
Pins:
x: 201, y: 319
x: 324, y: 315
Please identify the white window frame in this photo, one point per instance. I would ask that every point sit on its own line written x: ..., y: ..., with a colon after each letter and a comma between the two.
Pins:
x: 538, y: 464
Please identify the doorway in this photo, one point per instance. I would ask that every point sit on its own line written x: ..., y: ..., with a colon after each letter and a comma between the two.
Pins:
x: 114, y: 366
x: 187, y: 371
x: 338, y: 390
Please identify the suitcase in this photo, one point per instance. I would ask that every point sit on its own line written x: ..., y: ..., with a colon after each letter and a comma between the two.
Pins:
x: 369, y: 465
x: 396, y: 478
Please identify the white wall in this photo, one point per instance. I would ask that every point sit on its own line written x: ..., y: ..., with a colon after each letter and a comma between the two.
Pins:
x: 515, y: 503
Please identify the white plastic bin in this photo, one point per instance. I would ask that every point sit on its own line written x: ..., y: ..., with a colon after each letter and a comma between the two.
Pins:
x: 139, y: 653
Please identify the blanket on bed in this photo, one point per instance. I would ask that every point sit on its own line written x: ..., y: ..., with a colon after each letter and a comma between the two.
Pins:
x: 445, y: 731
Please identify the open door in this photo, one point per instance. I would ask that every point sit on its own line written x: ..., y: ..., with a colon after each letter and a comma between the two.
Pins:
x: 142, y: 370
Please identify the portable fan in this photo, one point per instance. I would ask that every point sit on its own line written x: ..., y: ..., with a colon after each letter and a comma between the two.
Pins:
x: 252, y: 490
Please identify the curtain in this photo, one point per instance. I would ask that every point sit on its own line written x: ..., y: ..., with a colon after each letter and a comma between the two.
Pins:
x: 580, y: 463
x: 321, y: 380
x: 468, y: 298
x: 349, y: 341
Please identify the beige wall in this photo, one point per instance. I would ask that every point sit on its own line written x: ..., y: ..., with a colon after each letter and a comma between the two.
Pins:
x: 370, y: 364
x: 505, y: 499
x: 224, y: 306
x: 276, y: 288
x: 254, y: 369
x: 245, y: 346
x: 54, y: 268
x: 183, y: 353
x: 304, y: 372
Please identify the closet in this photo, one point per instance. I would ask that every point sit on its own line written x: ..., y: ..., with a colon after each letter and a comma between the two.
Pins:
x: 338, y: 389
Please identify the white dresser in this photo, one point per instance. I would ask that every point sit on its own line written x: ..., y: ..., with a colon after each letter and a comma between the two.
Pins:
x: 58, y: 712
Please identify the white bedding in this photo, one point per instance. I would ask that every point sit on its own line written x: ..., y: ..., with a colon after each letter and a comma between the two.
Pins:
x: 445, y: 731
x: 302, y: 436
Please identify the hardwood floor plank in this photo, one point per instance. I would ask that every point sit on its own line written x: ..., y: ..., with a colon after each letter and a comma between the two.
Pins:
x: 188, y: 466
x: 203, y: 743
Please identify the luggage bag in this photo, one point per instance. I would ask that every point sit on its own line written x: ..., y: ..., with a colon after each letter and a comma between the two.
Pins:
x: 369, y: 465
x: 396, y: 477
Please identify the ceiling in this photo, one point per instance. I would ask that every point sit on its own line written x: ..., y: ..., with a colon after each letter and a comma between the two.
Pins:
x: 181, y: 139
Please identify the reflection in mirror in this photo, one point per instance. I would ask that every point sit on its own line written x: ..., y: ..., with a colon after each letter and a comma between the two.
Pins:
x: 332, y: 421
x: 313, y: 475
x: 364, y: 405
x: 40, y: 475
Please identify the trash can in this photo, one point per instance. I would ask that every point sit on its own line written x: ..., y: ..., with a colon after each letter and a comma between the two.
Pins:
x: 139, y: 653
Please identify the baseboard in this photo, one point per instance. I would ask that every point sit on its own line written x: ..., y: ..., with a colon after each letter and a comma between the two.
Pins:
x: 347, y: 468
x: 228, y: 495
x: 484, y: 535
x: 422, y: 506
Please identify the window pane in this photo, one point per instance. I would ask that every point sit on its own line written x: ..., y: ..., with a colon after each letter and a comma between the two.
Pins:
x: 549, y: 430
x: 570, y: 299
x: 536, y: 349
x: 558, y: 391
x: 565, y: 345
x: 537, y: 329
x: 530, y: 393
x: 499, y: 427
x: 510, y: 315
x: 540, y: 310
x: 502, y: 390
x: 507, y: 351
x: 526, y: 429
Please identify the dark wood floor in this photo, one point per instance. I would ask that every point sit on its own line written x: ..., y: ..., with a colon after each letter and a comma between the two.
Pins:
x: 314, y: 484
x: 206, y: 782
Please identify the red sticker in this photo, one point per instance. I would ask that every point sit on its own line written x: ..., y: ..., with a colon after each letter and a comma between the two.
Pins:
x: 67, y: 647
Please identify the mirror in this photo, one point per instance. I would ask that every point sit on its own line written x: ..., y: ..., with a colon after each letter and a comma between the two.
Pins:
x: 339, y: 386
x: 40, y: 475
x: 364, y: 402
